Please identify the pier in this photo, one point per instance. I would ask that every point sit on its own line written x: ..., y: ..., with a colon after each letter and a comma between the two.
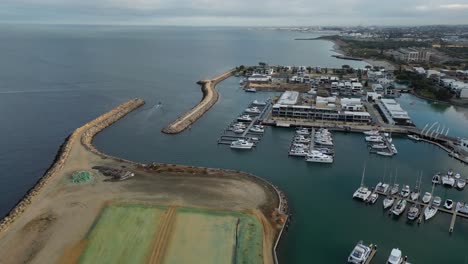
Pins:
x: 210, y: 97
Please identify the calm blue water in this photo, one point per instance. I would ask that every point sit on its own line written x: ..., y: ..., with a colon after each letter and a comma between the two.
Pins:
x: 53, y: 79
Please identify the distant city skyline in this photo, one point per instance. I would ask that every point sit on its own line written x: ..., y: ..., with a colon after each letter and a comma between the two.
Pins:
x: 235, y: 12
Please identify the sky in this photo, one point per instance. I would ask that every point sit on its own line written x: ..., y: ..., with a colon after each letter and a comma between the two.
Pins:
x: 235, y: 12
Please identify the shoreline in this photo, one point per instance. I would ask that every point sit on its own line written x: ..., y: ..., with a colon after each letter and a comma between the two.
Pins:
x: 210, y: 97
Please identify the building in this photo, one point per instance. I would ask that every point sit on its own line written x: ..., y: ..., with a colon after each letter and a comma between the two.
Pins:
x: 319, y: 113
x: 377, y: 88
x: 464, y: 93
x: 393, y: 113
x: 289, y: 98
x: 372, y: 97
x: 414, y: 55
x: 259, y: 78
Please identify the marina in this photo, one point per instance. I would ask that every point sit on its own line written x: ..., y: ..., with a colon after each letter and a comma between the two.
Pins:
x: 316, y: 145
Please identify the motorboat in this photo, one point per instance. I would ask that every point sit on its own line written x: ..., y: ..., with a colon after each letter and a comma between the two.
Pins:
x: 317, y: 156
x: 394, y: 150
x: 257, y: 129
x: 299, y: 145
x: 238, y: 130
x: 448, y: 180
x: 413, y: 212
x: 253, y: 110
x: 427, y: 197
x: 327, y: 151
x: 448, y: 204
x: 436, y: 178
x: 405, y: 191
x: 457, y: 176
x: 462, y: 207
x: 373, y: 198
x: 377, y: 139
x: 461, y: 184
x: 301, y: 139
x: 379, y: 146
x: 256, y: 102
x: 303, y: 131
x: 394, y: 189
x: 382, y: 187
x: 251, y: 90
x: 395, y: 257
x: 244, y: 118
x: 414, y: 196
x: 450, y: 172
x: 253, y: 138
x: 388, y: 202
x: 323, y: 142
x: 299, y: 152
x: 437, y: 201
x: 241, y: 144
x: 371, y: 133
x: 399, y: 207
x: 429, y: 212
x: 414, y: 137
x: 385, y: 153
x: 360, y: 254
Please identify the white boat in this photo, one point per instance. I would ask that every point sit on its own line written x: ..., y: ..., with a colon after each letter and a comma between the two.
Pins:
x: 360, y: 254
x: 413, y: 212
x: 257, y: 129
x: 461, y: 183
x: 251, y: 90
x: 399, y: 207
x: 448, y: 204
x: 244, y: 118
x: 437, y: 201
x: 255, y: 102
x: 450, y: 172
x: 462, y: 207
x: 241, y: 144
x: 303, y: 131
x: 394, y: 189
x: 427, y: 197
x: 414, y: 196
x: 457, y: 176
x: 317, y: 156
x: 395, y: 257
x: 371, y: 133
x: 253, y: 110
x: 382, y: 187
x: 429, y: 212
x: 377, y: 139
x: 298, y: 152
x: 385, y: 153
x: 379, y: 146
x: 238, y: 130
x: 362, y: 192
x: 388, y: 202
x: 301, y: 139
x: 448, y: 180
x: 327, y: 151
x: 394, y: 150
x: 414, y: 137
x: 405, y: 191
x: 323, y: 142
x: 299, y: 145
x: 373, y: 198
x: 436, y: 178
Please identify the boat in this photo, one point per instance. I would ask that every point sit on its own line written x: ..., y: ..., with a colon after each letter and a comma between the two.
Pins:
x: 299, y: 145
x: 238, y: 130
x: 448, y: 180
x: 244, y: 118
x: 427, y: 197
x: 379, y: 146
x: 303, y: 131
x: 377, y: 139
x: 394, y: 150
x: 437, y: 201
x: 301, y: 139
x: 373, y: 198
x: 450, y: 172
x: 256, y: 102
x: 298, y: 152
x: 241, y: 144
x: 457, y: 176
x: 385, y: 153
x: 394, y: 189
x: 414, y: 196
x: 382, y: 187
x: 257, y: 129
x: 327, y: 151
x: 413, y: 212
x: 405, y: 191
x: 251, y: 90
x: 371, y: 133
x: 362, y: 192
x: 395, y: 257
x: 399, y: 207
x: 462, y: 207
x: 388, y: 202
x: 317, y: 156
x: 429, y: 212
x: 360, y: 254
x: 436, y: 178
x: 414, y: 137
x: 448, y: 204
x: 461, y: 184
x: 324, y: 142
x: 253, y: 110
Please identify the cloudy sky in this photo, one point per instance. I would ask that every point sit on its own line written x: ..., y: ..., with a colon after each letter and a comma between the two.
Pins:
x: 236, y: 12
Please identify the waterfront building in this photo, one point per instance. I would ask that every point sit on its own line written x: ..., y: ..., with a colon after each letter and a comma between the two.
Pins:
x: 377, y: 88
x: 259, y: 78
x: 289, y: 98
x: 393, y: 113
x: 414, y: 55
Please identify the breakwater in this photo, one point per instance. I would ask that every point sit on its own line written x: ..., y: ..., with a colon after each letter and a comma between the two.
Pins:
x: 210, y: 97
x: 90, y: 129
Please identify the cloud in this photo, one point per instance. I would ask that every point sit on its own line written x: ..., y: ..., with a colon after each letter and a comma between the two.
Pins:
x: 235, y: 12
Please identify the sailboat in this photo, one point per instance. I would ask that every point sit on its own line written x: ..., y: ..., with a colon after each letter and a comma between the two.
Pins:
x: 362, y: 192
x: 430, y: 210
x: 395, y: 186
x: 415, y: 193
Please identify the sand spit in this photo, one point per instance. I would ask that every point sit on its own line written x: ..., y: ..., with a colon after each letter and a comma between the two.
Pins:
x: 210, y: 97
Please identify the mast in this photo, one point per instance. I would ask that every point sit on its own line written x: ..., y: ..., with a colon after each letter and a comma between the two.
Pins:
x: 446, y: 133
x: 422, y: 131
x: 363, y: 173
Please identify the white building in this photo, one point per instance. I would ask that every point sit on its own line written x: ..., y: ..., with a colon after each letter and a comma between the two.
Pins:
x: 259, y: 78
x: 393, y: 112
x: 377, y: 88
x: 464, y: 93
x: 289, y: 98
x: 356, y: 87
x: 414, y: 55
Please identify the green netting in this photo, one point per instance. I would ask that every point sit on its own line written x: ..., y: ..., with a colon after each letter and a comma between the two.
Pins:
x: 81, y: 177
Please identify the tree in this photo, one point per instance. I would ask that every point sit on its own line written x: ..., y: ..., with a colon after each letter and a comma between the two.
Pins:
x: 326, y: 70
x: 263, y: 64
x: 345, y: 66
x: 309, y: 69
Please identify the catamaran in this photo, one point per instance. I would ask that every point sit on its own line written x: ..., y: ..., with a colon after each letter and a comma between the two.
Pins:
x: 362, y: 192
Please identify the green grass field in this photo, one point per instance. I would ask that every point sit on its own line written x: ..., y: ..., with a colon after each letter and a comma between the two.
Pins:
x: 122, y: 234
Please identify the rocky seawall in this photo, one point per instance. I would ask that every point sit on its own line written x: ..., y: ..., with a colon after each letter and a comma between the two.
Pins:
x: 89, y: 129
x: 210, y: 97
